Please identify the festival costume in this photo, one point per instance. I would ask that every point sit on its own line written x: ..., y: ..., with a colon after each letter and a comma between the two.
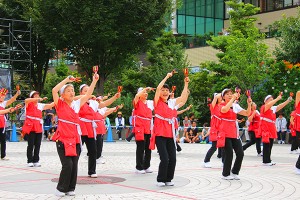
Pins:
x: 2, y: 130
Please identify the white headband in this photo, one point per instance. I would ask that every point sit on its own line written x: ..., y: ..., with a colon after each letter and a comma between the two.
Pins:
x: 31, y: 93
x: 83, y: 85
x: 140, y: 89
x: 62, y: 89
x: 223, y: 92
x: 267, y: 97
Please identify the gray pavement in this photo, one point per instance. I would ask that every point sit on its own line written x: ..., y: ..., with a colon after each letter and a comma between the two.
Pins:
x: 117, y: 179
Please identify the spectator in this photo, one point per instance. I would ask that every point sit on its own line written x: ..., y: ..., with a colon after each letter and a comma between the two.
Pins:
x: 186, y: 123
x: 48, y: 116
x: 131, y: 134
x: 191, y: 117
x: 192, y: 134
x: 281, y: 128
x: 120, y: 124
x: 204, y: 136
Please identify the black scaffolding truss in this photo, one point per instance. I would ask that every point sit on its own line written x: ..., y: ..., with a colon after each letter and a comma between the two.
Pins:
x: 15, y: 52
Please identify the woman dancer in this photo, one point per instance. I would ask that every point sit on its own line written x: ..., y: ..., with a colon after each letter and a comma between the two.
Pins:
x: 33, y: 126
x: 164, y: 129
x: 67, y: 135
x: 255, y: 137
x: 229, y: 135
x: 297, y: 127
x: 267, y: 127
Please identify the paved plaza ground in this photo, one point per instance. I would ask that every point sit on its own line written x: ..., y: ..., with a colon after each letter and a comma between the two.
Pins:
x: 117, y: 180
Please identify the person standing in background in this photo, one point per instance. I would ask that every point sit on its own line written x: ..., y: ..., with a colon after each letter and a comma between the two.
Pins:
x: 120, y: 124
x: 281, y: 128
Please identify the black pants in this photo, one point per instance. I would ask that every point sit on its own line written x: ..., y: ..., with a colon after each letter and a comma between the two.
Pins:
x: 267, y: 148
x: 143, y: 153
x: 211, y: 151
x: 92, y: 153
x: 99, y: 145
x: 33, y: 149
x: 119, y: 132
x: 281, y: 135
x: 167, y: 154
x: 230, y: 145
x: 295, y: 141
x: 129, y: 138
x: 3, y: 142
x: 253, y: 140
x: 68, y: 174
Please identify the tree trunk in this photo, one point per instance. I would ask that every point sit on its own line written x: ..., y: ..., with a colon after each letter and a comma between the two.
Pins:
x: 100, y: 84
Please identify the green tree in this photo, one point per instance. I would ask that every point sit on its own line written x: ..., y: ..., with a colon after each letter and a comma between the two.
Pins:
x: 103, y: 33
x: 289, y: 38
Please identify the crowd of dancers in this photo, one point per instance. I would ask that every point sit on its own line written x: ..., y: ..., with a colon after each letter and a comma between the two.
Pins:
x: 81, y: 121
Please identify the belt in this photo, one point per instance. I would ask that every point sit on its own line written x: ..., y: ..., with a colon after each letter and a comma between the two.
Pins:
x: 215, y: 117
x: 236, y: 124
x: 93, y: 124
x: 267, y: 120
x: 38, y: 119
x: 228, y: 120
x: 297, y: 114
x: 144, y: 118
x: 172, y: 122
x: 77, y: 126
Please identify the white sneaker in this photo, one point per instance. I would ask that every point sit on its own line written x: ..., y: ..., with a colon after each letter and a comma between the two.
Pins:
x: 169, y: 183
x: 37, y: 164
x: 282, y: 142
x: 235, y: 176
x: 297, y: 171
x: 228, y: 177
x: 30, y: 164
x: 93, y: 176
x: 160, y: 184
x: 273, y: 163
x: 279, y: 141
x: 70, y: 193
x: 140, y: 171
x: 120, y: 139
x: 207, y: 165
x: 267, y: 164
x: 101, y: 160
x: 59, y: 193
x: 5, y: 159
x: 260, y: 154
x: 148, y: 170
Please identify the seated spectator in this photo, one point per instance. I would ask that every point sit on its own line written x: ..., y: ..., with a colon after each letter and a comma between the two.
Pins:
x: 191, y: 135
x: 120, y: 124
x: 204, y: 136
x: 186, y: 123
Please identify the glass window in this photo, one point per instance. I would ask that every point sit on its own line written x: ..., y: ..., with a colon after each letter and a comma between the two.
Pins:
x: 288, y: 3
x: 219, y: 4
x: 218, y: 25
x: 209, y: 8
x: 209, y: 26
x: 190, y: 7
x: 200, y: 25
x: 200, y: 8
x: 190, y: 25
x: 181, y: 24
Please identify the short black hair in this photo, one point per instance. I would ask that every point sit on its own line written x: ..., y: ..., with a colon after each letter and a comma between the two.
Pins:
x: 191, y: 114
x: 166, y: 86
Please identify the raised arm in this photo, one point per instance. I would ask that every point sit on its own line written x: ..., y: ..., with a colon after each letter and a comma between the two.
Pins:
x: 139, y: 94
x: 248, y: 111
x: 182, y: 111
x: 108, y: 102
x: 282, y: 105
x: 56, y: 89
x: 272, y: 103
x: 214, y: 101
x: 88, y: 94
x: 160, y: 85
x: 185, y: 92
x: 49, y: 106
x: 109, y: 111
x: 8, y: 110
x: 250, y: 118
x: 292, y: 120
x: 14, y: 98
x: 297, y: 98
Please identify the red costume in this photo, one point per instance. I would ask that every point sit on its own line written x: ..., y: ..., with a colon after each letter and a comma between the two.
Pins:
x: 214, y: 122
x: 267, y: 127
x: 292, y: 128
x: 297, y: 117
x: 87, y: 116
x: 2, y: 117
x: 142, y: 119
x: 254, y: 125
x: 100, y: 121
x: 34, y: 120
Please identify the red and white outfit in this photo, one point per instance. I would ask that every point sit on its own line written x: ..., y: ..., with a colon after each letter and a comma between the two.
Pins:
x: 254, y: 125
x: 292, y: 128
x: 267, y: 127
x: 101, y: 131
x: 2, y: 117
x: 142, y: 119
x: 2, y: 130
x: 297, y: 117
x: 34, y: 120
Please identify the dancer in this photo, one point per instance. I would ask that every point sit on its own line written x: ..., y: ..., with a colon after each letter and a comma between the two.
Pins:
x: 3, y: 105
x: 214, y: 128
x: 164, y: 129
x: 229, y: 135
x: 33, y: 126
x: 255, y: 137
x: 67, y: 135
x: 297, y: 127
x: 294, y: 140
x: 267, y: 127
x: 142, y: 127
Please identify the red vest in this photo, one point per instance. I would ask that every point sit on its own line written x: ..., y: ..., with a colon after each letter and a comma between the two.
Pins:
x: 297, y: 118
x: 33, y: 125
x: 86, y: 127
x: 141, y: 110
x: 162, y: 127
x: 292, y: 128
x: 254, y: 125
x: 100, y: 121
x: 214, y: 122
x: 267, y: 129
x: 228, y: 126
x: 65, y: 130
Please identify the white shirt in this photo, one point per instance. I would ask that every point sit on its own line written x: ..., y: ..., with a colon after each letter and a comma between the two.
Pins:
x: 94, y: 105
x: 274, y: 109
x: 150, y: 104
x: 102, y: 111
x: 281, y: 124
x: 3, y: 104
x: 172, y: 103
x: 40, y: 106
x: 237, y: 108
x: 75, y: 105
x: 117, y: 122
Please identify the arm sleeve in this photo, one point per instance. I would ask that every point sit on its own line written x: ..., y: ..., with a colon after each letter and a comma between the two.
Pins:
x: 94, y: 105
x: 41, y: 106
x: 237, y: 108
x: 76, y: 106
x: 274, y: 109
